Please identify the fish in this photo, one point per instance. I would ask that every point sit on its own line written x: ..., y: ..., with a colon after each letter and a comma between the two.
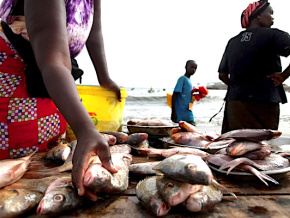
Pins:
x: 59, y: 197
x: 204, y: 199
x: 23, y: 195
x: 173, y: 191
x: 175, y: 130
x: 137, y: 138
x: 258, y: 154
x: 189, y: 127
x: 109, y: 138
x: 148, y: 122
x: 60, y: 152
x: 239, y: 148
x: 100, y: 179
x: 120, y: 148
x: 186, y: 168
x: 120, y: 136
x: 150, y: 198
x: 254, y: 135
x: 173, y: 151
x: 143, y: 168
x: 272, y: 162
x: 222, y: 160
x: 12, y: 170
x: 190, y: 139
x: 14, y: 203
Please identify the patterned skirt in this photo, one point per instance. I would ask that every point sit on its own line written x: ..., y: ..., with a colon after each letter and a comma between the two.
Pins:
x: 26, y: 123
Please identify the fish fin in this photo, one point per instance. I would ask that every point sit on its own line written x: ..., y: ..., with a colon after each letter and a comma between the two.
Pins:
x: 206, y: 145
x: 236, y: 162
x: 158, y: 173
x: 219, y: 186
x: 262, y: 176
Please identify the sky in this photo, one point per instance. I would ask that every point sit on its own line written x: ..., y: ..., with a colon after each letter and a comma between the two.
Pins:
x: 147, y: 42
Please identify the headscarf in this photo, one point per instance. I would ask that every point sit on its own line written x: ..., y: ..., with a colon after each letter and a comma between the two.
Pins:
x: 252, y: 11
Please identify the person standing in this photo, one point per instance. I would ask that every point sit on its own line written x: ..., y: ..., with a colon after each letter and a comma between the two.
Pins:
x: 251, y: 67
x: 182, y: 95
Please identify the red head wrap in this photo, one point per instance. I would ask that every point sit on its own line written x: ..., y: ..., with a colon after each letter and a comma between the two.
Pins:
x: 252, y: 11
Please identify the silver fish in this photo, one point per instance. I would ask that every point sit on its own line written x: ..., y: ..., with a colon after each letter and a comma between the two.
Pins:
x: 239, y: 148
x: 59, y: 197
x: 254, y: 135
x: 148, y: 195
x: 143, y: 168
x: 204, y: 200
x: 186, y: 168
x: 100, y: 179
x: 12, y: 170
x: 173, y: 191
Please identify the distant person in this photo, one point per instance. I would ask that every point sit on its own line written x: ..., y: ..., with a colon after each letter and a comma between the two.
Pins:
x: 251, y: 68
x: 182, y: 95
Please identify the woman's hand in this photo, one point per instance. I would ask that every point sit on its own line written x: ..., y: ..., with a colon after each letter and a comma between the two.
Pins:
x: 110, y: 84
x: 89, y: 143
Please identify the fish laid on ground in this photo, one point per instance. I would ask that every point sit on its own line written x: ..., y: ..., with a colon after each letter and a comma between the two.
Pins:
x: 175, y: 130
x: 120, y: 148
x: 148, y: 122
x: 173, y: 191
x: 109, y: 138
x: 272, y: 162
x: 137, y: 138
x: 258, y: 154
x: 150, y: 152
x: 100, y: 179
x: 255, y: 135
x: 190, y: 139
x: 220, y: 160
x: 12, y: 170
x: 148, y: 195
x: 204, y: 200
x: 189, y: 127
x: 143, y: 168
x: 120, y: 136
x: 59, y: 197
x: 60, y: 152
x: 23, y: 195
x: 239, y: 148
x: 186, y: 168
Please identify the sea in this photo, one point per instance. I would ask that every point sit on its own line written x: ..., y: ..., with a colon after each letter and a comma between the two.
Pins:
x: 152, y: 103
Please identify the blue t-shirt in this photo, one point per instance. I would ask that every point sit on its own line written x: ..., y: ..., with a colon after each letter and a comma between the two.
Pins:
x: 183, y: 98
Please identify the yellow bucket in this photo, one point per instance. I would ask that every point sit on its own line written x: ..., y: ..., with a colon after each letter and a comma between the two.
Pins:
x: 103, y: 107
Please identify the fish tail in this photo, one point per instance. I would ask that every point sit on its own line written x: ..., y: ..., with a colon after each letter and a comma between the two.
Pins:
x: 219, y: 186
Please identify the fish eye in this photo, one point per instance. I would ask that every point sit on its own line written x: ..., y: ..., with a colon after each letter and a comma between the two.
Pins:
x: 169, y: 185
x: 58, y: 198
x: 191, y: 166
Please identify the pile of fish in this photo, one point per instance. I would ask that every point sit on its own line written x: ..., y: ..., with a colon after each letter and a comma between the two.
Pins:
x: 249, y: 152
x: 148, y: 122
x: 182, y: 179
x: 51, y: 190
x: 190, y: 136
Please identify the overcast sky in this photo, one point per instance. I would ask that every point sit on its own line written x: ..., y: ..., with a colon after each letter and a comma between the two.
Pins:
x: 147, y: 42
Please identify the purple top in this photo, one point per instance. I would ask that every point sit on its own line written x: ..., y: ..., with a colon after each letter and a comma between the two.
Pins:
x: 79, y: 21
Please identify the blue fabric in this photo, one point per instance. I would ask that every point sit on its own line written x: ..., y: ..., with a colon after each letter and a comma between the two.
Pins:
x: 183, y: 98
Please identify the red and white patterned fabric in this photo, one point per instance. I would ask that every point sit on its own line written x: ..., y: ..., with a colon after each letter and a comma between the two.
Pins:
x: 26, y: 123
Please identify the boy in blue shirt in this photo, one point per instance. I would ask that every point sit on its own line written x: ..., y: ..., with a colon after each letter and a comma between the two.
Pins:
x: 182, y: 95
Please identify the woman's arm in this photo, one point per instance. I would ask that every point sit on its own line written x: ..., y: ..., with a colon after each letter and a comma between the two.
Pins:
x: 224, y: 77
x: 46, y: 25
x: 95, y: 47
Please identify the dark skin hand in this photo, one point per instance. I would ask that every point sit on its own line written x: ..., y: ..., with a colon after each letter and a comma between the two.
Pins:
x: 279, y: 78
x: 95, y: 47
x: 48, y: 36
x: 224, y: 77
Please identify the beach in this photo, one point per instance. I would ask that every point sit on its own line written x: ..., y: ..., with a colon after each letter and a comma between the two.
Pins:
x: 142, y: 104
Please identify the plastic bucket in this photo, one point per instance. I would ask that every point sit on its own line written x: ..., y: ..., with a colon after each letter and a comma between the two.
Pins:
x: 103, y: 107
